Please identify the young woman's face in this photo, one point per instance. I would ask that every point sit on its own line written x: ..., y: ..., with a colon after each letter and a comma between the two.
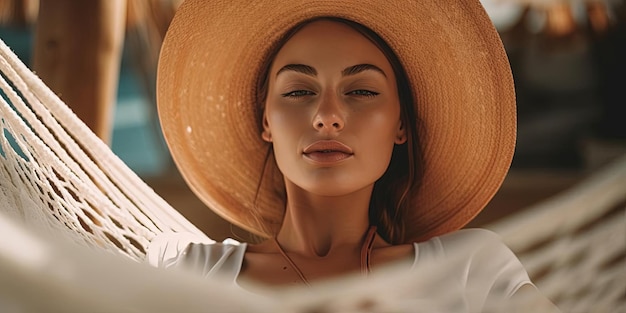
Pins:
x: 332, y: 110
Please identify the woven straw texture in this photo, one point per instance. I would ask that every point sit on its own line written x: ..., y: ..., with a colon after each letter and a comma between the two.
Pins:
x: 58, y: 179
x: 463, y: 92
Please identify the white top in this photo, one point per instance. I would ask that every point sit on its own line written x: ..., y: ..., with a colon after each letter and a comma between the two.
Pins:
x: 484, y: 268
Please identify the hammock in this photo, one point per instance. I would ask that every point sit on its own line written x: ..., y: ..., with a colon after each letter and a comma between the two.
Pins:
x: 74, y: 181
x: 66, y: 198
x: 573, y: 245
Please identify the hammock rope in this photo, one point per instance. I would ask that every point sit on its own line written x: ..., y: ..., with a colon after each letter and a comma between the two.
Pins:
x: 52, y: 158
x: 573, y: 245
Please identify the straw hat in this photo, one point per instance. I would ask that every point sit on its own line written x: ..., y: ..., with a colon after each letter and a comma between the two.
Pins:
x: 214, y: 52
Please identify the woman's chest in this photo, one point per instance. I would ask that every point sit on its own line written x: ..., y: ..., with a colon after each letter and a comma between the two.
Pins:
x: 279, y: 270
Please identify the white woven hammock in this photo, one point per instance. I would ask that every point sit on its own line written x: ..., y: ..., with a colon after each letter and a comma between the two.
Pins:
x: 63, y: 193
x: 573, y: 245
x: 76, y: 183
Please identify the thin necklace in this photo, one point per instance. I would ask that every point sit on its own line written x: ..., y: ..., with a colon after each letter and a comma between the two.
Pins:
x: 366, y: 251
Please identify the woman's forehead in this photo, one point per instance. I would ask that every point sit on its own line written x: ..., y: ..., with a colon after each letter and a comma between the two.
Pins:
x: 335, y: 34
x: 326, y: 41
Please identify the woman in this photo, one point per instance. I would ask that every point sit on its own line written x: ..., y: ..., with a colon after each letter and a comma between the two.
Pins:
x: 349, y: 135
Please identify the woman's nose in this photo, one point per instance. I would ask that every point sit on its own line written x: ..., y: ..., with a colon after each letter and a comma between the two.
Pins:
x: 329, y: 115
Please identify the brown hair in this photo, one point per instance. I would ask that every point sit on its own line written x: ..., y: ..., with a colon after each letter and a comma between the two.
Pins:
x: 394, y: 192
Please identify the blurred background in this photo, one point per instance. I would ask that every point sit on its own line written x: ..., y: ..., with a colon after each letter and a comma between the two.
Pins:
x: 568, y: 59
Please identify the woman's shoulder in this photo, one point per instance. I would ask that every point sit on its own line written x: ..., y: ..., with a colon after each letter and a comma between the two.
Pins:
x: 476, y: 261
x: 170, y: 245
x: 479, y: 244
x: 197, y: 253
x: 466, y: 241
x: 475, y: 252
x: 481, y: 255
x: 476, y: 235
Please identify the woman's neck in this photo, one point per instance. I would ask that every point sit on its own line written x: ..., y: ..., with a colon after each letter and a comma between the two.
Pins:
x: 315, y: 226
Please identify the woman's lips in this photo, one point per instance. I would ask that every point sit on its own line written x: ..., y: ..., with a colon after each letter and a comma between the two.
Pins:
x: 327, y: 151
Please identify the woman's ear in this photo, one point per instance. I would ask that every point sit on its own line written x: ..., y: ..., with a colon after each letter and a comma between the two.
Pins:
x: 266, y: 134
x: 400, y: 134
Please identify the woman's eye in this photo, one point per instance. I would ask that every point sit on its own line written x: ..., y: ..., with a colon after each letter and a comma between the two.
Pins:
x: 364, y: 93
x: 298, y: 94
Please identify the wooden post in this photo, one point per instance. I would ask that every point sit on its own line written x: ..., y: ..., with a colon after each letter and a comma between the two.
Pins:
x: 77, y: 53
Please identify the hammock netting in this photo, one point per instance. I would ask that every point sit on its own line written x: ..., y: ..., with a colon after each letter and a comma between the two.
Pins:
x: 66, y: 198
x: 75, y: 183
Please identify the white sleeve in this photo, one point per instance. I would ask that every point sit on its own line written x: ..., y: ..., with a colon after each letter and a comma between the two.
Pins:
x: 467, y: 269
x: 166, y: 249
x: 494, y: 272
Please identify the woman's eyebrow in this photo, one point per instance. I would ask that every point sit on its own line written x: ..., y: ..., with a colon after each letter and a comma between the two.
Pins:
x: 300, y: 68
x: 355, y: 69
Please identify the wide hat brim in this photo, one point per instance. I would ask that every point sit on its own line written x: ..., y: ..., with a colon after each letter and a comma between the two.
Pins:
x: 214, y: 52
